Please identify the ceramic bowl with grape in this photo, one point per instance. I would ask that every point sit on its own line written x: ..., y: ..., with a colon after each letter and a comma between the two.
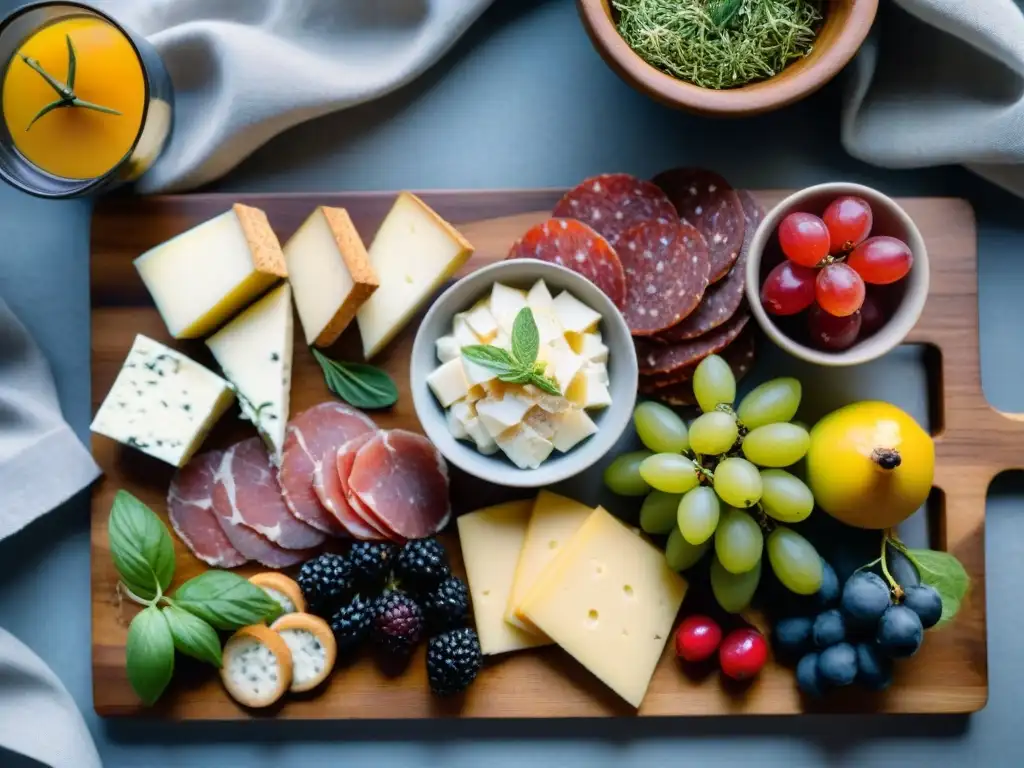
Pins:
x: 837, y: 274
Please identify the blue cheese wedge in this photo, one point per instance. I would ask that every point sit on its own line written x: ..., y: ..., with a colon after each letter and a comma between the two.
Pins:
x: 162, y: 403
x: 255, y: 353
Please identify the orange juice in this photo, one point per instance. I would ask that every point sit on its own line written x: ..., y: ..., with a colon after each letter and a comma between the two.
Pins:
x: 75, y: 142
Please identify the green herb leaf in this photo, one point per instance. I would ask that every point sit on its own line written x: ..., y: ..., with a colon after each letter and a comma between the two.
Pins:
x: 140, y: 546
x: 45, y: 111
x: 72, y: 63
x: 545, y: 384
x: 225, y: 600
x: 150, y: 654
x: 525, y: 338
x: 516, y: 377
x: 493, y: 358
x: 721, y: 12
x: 76, y: 102
x: 53, y: 82
x: 945, y: 574
x: 358, y: 384
x: 193, y: 636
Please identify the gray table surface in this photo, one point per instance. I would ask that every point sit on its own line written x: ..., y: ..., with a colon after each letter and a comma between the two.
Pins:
x: 523, y: 101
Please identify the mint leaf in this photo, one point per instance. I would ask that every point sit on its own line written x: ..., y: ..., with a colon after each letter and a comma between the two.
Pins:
x: 493, y: 358
x: 364, y: 386
x: 150, y: 654
x: 516, y: 377
x: 525, y: 338
x: 225, y: 600
x: 944, y: 573
x: 140, y: 546
x: 193, y: 636
x: 545, y: 384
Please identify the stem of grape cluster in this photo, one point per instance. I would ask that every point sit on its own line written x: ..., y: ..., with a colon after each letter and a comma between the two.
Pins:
x: 897, y: 590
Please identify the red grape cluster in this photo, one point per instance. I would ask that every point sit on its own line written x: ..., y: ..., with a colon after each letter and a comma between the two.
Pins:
x: 828, y: 261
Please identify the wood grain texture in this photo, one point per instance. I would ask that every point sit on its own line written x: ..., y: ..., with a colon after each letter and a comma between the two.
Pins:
x: 973, y: 444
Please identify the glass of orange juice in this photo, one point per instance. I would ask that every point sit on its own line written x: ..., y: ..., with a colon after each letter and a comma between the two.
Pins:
x: 86, y: 105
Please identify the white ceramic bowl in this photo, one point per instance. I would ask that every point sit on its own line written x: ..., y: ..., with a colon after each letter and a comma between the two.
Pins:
x: 905, y: 299
x: 622, y: 372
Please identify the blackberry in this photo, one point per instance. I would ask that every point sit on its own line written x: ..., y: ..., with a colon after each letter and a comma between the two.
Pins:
x: 352, y: 622
x: 453, y: 661
x: 447, y: 606
x: 326, y: 582
x: 371, y: 563
x: 397, y: 622
x: 421, y: 565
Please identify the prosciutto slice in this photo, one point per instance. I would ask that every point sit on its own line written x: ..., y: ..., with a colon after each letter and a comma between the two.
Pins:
x: 190, y: 510
x: 247, y: 494
x: 403, y: 481
x: 329, y: 487
x: 312, y: 434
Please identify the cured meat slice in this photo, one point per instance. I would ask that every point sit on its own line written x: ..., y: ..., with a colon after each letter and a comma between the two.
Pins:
x: 310, y: 435
x: 658, y: 359
x: 248, y: 494
x: 251, y: 544
x: 613, y: 202
x: 403, y: 480
x: 573, y: 245
x: 705, y: 199
x: 190, y: 510
x: 344, y: 460
x: 722, y: 299
x: 666, y: 265
x: 739, y: 355
x: 330, y: 491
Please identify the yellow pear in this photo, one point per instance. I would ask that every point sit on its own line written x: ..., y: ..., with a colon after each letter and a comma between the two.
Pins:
x: 870, y: 464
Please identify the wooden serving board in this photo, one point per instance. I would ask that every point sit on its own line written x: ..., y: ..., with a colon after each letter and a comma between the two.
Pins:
x: 974, y: 443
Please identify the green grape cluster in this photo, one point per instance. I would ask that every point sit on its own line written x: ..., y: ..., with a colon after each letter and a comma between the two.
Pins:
x: 722, y: 482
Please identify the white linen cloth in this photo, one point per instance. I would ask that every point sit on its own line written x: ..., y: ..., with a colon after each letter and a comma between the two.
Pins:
x: 940, y: 83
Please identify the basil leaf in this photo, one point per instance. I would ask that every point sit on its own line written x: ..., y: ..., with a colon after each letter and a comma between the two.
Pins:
x: 545, y: 384
x: 140, y: 546
x: 193, y: 636
x: 358, y: 384
x: 494, y: 358
x: 225, y: 600
x: 942, y: 572
x: 150, y: 654
x: 525, y: 338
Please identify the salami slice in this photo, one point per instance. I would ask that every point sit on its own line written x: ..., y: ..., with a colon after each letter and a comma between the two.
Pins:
x: 660, y: 359
x: 705, y: 199
x: 190, y: 510
x: 328, y: 488
x: 666, y: 265
x: 739, y: 355
x: 573, y: 245
x: 613, y: 203
x: 403, y: 480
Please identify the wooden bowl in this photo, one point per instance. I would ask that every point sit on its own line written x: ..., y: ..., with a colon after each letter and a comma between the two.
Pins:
x: 846, y: 24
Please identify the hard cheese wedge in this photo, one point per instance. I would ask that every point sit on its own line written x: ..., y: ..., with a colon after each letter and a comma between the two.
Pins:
x: 491, y: 539
x: 201, y: 278
x: 609, y: 599
x: 415, y: 250
x: 330, y: 274
x: 255, y: 352
x: 553, y: 522
x: 162, y: 403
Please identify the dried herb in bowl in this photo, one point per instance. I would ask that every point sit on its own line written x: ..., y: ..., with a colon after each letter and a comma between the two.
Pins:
x: 719, y: 44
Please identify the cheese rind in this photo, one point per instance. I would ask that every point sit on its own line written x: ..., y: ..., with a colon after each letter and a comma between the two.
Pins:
x: 491, y: 539
x: 553, y: 522
x: 414, y: 251
x: 610, y: 600
x: 162, y: 403
x: 255, y: 353
x: 330, y: 274
x: 202, y: 277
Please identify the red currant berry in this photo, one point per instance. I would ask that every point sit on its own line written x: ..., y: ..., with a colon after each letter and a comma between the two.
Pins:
x: 788, y: 289
x: 804, y: 238
x: 881, y: 260
x: 839, y: 290
x: 697, y: 638
x: 743, y: 654
x: 849, y: 221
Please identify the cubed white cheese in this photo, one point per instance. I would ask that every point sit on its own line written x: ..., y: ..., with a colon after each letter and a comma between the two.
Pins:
x: 479, y: 435
x: 573, y: 426
x: 600, y: 370
x: 448, y: 382
x: 499, y: 415
x: 588, y: 391
x: 562, y: 363
x: 476, y: 392
x: 462, y: 332
x: 574, y: 315
x: 502, y: 340
x: 548, y: 327
x: 482, y: 321
x: 495, y: 388
x: 538, y: 298
x: 476, y: 373
x: 506, y: 304
x: 524, y: 446
x: 448, y: 348
x: 543, y: 423
x: 589, y: 346
x: 162, y: 403
x: 458, y: 416
x: 550, y: 403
